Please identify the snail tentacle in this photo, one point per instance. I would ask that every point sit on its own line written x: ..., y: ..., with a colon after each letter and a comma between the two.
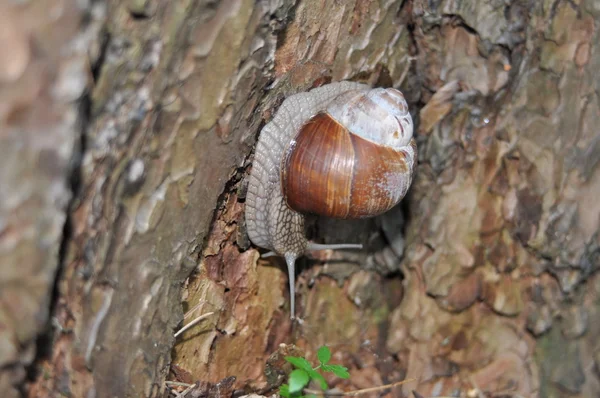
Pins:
x: 312, y: 246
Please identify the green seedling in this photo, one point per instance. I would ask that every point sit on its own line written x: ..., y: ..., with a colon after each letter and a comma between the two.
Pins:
x: 304, y: 373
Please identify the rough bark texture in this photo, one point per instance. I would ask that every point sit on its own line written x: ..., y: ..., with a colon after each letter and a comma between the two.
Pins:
x: 45, y: 48
x: 484, y: 281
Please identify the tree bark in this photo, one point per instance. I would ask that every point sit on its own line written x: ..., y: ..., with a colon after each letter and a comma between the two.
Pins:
x: 127, y: 130
x: 45, y: 49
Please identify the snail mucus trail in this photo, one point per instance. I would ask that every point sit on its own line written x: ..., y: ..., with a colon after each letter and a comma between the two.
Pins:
x: 343, y: 150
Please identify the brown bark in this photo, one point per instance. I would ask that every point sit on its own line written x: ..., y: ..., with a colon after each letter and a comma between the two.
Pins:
x: 44, y: 52
x: 489, y: 286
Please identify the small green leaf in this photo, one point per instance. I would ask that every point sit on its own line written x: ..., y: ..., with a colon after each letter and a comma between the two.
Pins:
x: 318, y: 377
x: 324, y: 355
x: 284, y: 391
x: 339, y: 370
x: 298, y: 379
x: 299, y: 362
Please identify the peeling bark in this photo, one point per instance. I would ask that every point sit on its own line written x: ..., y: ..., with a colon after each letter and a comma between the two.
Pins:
x: 133, y: 123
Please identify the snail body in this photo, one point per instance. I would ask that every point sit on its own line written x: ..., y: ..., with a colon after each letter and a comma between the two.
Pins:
x: 342, y: 150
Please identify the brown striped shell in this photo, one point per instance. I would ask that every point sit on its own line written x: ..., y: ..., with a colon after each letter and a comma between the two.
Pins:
x: 354, y: 160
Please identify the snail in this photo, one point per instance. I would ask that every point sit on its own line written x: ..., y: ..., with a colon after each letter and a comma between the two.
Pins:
x: 343, y: 150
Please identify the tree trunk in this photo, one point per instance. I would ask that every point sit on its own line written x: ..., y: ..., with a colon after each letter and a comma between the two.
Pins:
x: 126, y: 135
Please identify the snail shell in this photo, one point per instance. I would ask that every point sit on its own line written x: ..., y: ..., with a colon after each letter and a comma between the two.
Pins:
x: 341, y: 150
x: 354, y: 160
